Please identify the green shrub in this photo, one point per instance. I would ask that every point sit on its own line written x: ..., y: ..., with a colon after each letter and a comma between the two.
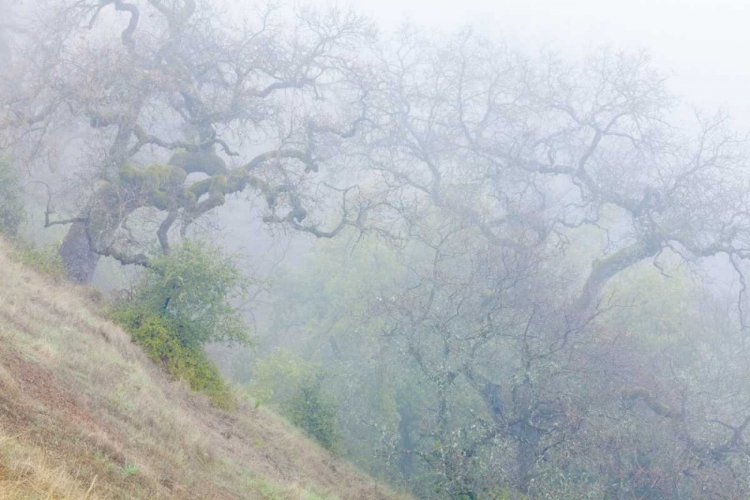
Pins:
x: 160, y: 339
x: 315, y: 413
x: 194, y: 287
x: 278, y: 376
x: 182, y: 302
x: 11, y: 204
x: 44, y: 260
x: 295, y: 386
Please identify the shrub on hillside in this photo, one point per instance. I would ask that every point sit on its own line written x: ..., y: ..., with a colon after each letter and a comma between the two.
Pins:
x: 295, y: 386
x: 315, y: 413
x: 194, y: 287
x: 182, y: 302
x: 11, y: 204
x: 277, y: 377
x: 157, y: 335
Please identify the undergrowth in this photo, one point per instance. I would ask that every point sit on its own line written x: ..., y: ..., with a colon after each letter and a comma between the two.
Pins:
x: 181, y: 302
x: 315, y: 413
x: 11, y: 204
x: 160, y: 338
x: 44, y: 260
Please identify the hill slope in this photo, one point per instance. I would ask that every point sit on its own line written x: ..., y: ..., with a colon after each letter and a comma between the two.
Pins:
x: 85, y: 414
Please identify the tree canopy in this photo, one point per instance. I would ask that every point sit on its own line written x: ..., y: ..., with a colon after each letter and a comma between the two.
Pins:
x: 177, y: 105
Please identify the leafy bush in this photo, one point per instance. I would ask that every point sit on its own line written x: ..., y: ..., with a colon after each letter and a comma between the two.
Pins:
x: 277, y: 377
x: 158, y: 335
x: 295, y: 386
x: 193, y: 287
x: 11, y: 205
x: 315, y: 413
x: 181, y: 303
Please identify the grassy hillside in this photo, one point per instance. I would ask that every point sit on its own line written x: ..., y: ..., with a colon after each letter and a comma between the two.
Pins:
x: 85, y: 414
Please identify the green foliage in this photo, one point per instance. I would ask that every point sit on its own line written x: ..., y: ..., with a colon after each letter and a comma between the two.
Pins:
x: 296, y: 386
x: 159, y: 337
x: 661, y: 305
x: 193, y: 287
x: 45, y: 260
x: 181, y: 303
x: 332, y: 324
x: 278, y: 376
x: 130, y: 470
x: 156, y: 180
x: 315, y: 413
x: 11, y: 205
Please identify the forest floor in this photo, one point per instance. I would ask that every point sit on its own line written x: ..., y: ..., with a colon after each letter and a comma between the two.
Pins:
x: 85, y: 414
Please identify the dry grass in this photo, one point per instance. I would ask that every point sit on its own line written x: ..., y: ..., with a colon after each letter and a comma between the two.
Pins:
x: 84, y: 414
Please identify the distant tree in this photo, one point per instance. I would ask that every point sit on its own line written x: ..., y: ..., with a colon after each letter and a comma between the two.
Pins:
x: 179, y: 105
x: 521, y: 190
x: 492, y: 160
x: 522, y: 151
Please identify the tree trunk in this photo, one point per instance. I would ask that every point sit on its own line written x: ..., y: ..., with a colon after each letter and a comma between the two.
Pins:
x: 97, y: 224
x: 528, y: 449
x: 77, y: 255
x: 407, y: 444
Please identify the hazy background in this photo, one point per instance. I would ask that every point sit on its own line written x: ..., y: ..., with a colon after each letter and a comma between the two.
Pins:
x: 700, y: 44
x: 703, y: 43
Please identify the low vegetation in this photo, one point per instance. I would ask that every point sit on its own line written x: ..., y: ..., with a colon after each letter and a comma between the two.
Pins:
x: 159, y: 337
x: 11, y: 205
x: 295, y: 387
x: 84, y: 413
x: 181, y: 303
x: 314, y: 412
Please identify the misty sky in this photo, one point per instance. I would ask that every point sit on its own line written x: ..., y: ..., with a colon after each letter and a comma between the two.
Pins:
x: 705, y: 44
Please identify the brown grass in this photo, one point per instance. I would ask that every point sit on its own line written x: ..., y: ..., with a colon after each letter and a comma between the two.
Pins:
x: 84, y: 414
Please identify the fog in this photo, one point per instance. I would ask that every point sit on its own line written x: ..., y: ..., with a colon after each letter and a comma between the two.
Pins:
x: 699, y: 42
x: 480, y: 250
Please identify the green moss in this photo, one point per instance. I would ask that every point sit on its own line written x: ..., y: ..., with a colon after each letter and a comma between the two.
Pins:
x: 179, y: 158
x: 187, y: 198
x: 155, y: 176
x: 220, y: 183
x: 164, y: 176
x: 128, y: 173
x: 198, y: 189
x: 176, y: 176
x: 157, y: 181
x: 159, y: 200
